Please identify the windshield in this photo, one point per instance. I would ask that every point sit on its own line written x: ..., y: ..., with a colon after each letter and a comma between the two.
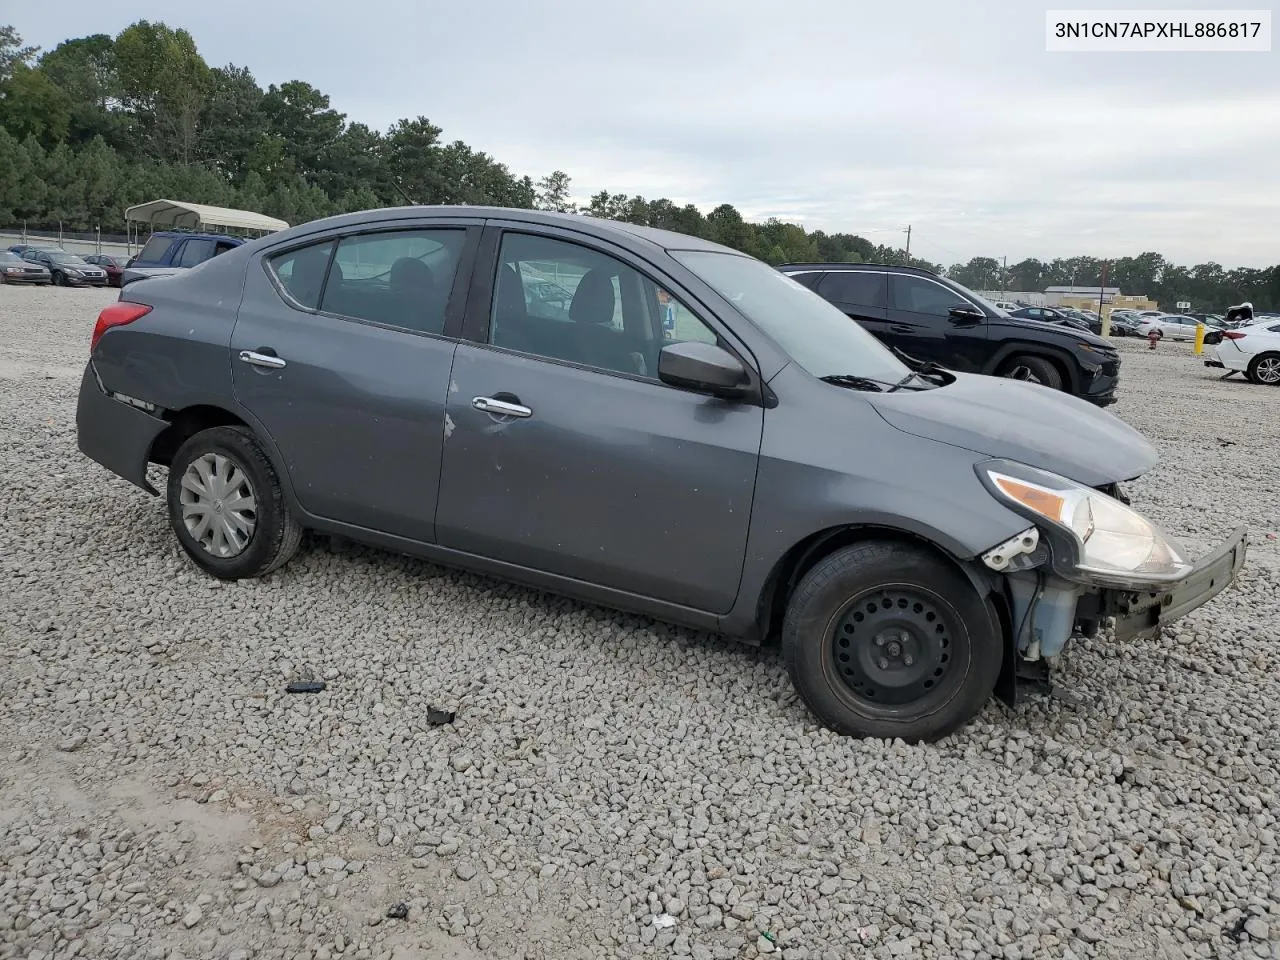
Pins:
x: 70, y: 259
x: 813, y: 333
x: 983, y: 301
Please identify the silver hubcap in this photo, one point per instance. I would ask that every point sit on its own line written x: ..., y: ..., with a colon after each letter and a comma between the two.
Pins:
x: 1269, y: 370
x: 218, y: 507
x: 1022, y: 373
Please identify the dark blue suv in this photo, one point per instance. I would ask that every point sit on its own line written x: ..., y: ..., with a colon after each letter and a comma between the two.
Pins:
x: 170, y: 250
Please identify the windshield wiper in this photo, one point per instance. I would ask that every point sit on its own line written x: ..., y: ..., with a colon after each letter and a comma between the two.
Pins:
x: 923, y: 372
x: 854, y: 382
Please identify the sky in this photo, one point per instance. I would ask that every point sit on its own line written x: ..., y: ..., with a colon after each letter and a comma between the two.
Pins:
x: 843, y: 116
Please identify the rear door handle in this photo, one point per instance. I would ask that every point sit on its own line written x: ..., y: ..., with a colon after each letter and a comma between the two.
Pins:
x: 901, y: 328
x: 262, y: 359
x: 500, y: 407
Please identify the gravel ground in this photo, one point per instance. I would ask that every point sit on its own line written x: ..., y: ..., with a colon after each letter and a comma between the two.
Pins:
x: 162, y: 797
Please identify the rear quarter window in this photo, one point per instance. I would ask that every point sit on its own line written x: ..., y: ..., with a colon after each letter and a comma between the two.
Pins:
x: 301, y: 272
x: 155, y: 249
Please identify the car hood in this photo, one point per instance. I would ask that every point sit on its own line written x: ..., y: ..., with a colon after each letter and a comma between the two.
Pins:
x: 1077, y: 333
x: 1025, y: 422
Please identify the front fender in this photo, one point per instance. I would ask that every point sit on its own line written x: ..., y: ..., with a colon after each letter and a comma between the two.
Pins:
x: 1061, y: 357
x: 829, y: 461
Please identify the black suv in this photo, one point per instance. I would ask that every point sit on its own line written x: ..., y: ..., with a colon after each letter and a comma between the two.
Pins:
x: 932, y: 318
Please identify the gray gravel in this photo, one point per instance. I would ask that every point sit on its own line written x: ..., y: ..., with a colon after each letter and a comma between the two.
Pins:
x: 611, y: 786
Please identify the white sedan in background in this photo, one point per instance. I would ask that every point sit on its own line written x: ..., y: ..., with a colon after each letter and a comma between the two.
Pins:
x: 1253, y: 351
x: 1170, y: 326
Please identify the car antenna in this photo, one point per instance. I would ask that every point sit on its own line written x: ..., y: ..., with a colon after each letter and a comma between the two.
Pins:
x: 407, y: 199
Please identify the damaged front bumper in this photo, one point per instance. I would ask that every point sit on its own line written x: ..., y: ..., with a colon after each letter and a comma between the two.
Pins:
x: 1046, y: 610
x: 1143, y: 614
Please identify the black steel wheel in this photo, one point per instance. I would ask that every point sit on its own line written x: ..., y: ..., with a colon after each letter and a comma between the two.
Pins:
x: 891, y: 646
x: 884, y: 639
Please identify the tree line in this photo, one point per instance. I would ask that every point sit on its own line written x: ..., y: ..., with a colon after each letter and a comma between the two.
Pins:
x: 100, y: 123
x: 1206, y: 286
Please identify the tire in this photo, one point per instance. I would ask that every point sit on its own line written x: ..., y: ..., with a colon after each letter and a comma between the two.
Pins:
x: 1264, y: 369
x: 1033, y: 370
x: 58, y: 279
x: 224, y: 461
x: 882, y: 603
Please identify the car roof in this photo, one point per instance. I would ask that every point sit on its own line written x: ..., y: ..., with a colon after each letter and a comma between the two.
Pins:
x: 592, y: 226
x: 195, y: 234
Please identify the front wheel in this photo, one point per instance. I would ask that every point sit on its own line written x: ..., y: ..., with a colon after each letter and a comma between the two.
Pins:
x: 1033, y: 370
x: 58, y: 279
x: 226, y: 505
x: 886, y: 640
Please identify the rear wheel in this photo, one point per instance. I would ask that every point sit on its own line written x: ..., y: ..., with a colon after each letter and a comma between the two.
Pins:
x: 226, y: 505
x: 886, y: 640
x: 1265, y: 369
x: 1033, y: 370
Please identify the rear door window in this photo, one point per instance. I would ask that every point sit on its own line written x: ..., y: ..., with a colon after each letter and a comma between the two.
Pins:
x: 858, y: 287
x: 808, y: 278
x: 194, y: 252
x: 400, y: 278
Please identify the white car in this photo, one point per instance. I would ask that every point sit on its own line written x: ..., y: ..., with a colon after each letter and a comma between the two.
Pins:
x: 1170, y: 326
x: 1253, y: 351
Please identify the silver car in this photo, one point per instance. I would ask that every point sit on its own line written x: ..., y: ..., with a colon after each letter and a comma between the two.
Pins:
x: 698, y: 438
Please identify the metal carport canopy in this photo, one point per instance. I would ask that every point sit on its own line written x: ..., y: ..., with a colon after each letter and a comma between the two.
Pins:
x: 196, y: 216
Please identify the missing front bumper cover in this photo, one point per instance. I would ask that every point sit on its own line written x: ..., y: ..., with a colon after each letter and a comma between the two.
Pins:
x: 1142, y: 614
x: 1008, y: 556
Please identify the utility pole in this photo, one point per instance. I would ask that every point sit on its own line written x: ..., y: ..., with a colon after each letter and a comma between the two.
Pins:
x: 908, y: 245
x: 1004, y: 279
x: 1106, y: 318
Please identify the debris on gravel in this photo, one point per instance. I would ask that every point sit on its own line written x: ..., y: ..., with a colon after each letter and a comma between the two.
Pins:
x: 606, y: 786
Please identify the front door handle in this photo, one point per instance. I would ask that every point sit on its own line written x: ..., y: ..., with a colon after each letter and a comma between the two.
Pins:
x: 901, y: 328
x: 500, y: 408
x: 261, y: 359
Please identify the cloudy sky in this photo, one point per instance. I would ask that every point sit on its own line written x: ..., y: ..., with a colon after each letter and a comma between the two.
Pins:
x: 843, y: 116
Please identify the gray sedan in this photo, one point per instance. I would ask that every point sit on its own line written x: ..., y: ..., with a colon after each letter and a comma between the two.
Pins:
x: 698, y: 438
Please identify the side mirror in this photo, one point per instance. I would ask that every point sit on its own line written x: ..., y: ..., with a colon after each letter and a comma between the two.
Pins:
x: 704, y: 368
x: 965, y: 314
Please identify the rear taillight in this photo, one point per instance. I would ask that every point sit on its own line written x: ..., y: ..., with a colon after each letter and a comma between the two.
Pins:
x: 116, y: 315
x: 1233, y: 334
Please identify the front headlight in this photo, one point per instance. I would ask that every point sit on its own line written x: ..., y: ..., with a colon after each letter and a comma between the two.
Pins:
x: 1115, y: 543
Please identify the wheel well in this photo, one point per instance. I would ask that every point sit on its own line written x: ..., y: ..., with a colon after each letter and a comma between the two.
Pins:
x: 801, y: 558
x: 1064, y: 369
x: 187, y: 423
